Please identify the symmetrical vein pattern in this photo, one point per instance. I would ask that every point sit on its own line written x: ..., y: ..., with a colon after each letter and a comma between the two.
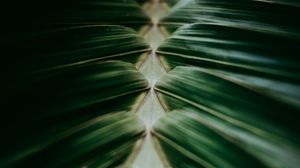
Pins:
x: 81, y: 88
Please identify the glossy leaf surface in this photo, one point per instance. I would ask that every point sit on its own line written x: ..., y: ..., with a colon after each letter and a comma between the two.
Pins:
x: 265, y: 16
x: 232, y: 90
x: 71, y: 83
x: 261, y: 61
x: 214, y: 122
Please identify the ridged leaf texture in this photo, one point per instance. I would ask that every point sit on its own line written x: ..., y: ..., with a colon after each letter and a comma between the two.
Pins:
x: 72, y: 83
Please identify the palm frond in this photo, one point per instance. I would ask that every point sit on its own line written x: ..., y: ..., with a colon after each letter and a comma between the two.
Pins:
x: 232, y: 90
x: 94, y: 84
x: 55, y: 115
x: 266, y: 16
x: 59, y: 48
x: 201, y: 103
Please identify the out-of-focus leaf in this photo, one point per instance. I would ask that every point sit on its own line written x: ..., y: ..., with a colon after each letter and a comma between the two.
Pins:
x: 117, y: 12
x: 274, y: 16
x: 188, y: 143
x: 65, y: 100
x: 51, y: 119
x: 261, y: 61
x: 35, y: 15
x: 216, y: 123
x: 141, y: 2
x: 56, y: 49
x: 171, y: 2
x: 104, y: 141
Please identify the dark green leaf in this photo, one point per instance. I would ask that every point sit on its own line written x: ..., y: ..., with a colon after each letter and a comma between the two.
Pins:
x: 45, y: 110
x: 261, y: 61
x: 274, y: 16
x: 35, y: 15
x: 67, y: 47
x: 218, y: 123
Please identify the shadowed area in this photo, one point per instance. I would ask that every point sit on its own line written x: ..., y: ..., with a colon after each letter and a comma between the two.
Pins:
x: 56, y: 116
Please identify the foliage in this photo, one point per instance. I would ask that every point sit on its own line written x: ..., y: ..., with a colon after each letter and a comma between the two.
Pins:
x: 71, y: 84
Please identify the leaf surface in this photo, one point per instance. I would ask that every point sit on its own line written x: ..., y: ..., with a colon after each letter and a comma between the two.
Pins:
x: 76, y: 116
x: 214, y: 122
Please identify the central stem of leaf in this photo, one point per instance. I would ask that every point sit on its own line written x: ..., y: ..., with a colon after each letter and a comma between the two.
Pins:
x: 151, y: 109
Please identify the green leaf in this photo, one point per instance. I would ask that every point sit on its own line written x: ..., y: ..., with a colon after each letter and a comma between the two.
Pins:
x: 71, y: 84
x: 223, y: 46
x: 68, y: 99
x: 266, y: 16
x: 64, y: 117
x: 253, y: 59
x: 214, y: 122
x: 232, y: 90
x: 34, y: 15
x: 60, y: 48
x: 171, y: 3
x: 104, y: 141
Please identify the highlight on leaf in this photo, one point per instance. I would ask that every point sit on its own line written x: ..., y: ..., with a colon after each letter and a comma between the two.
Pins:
x: 232, y: 87
x: 265, y: 16
x: 214, y: 122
